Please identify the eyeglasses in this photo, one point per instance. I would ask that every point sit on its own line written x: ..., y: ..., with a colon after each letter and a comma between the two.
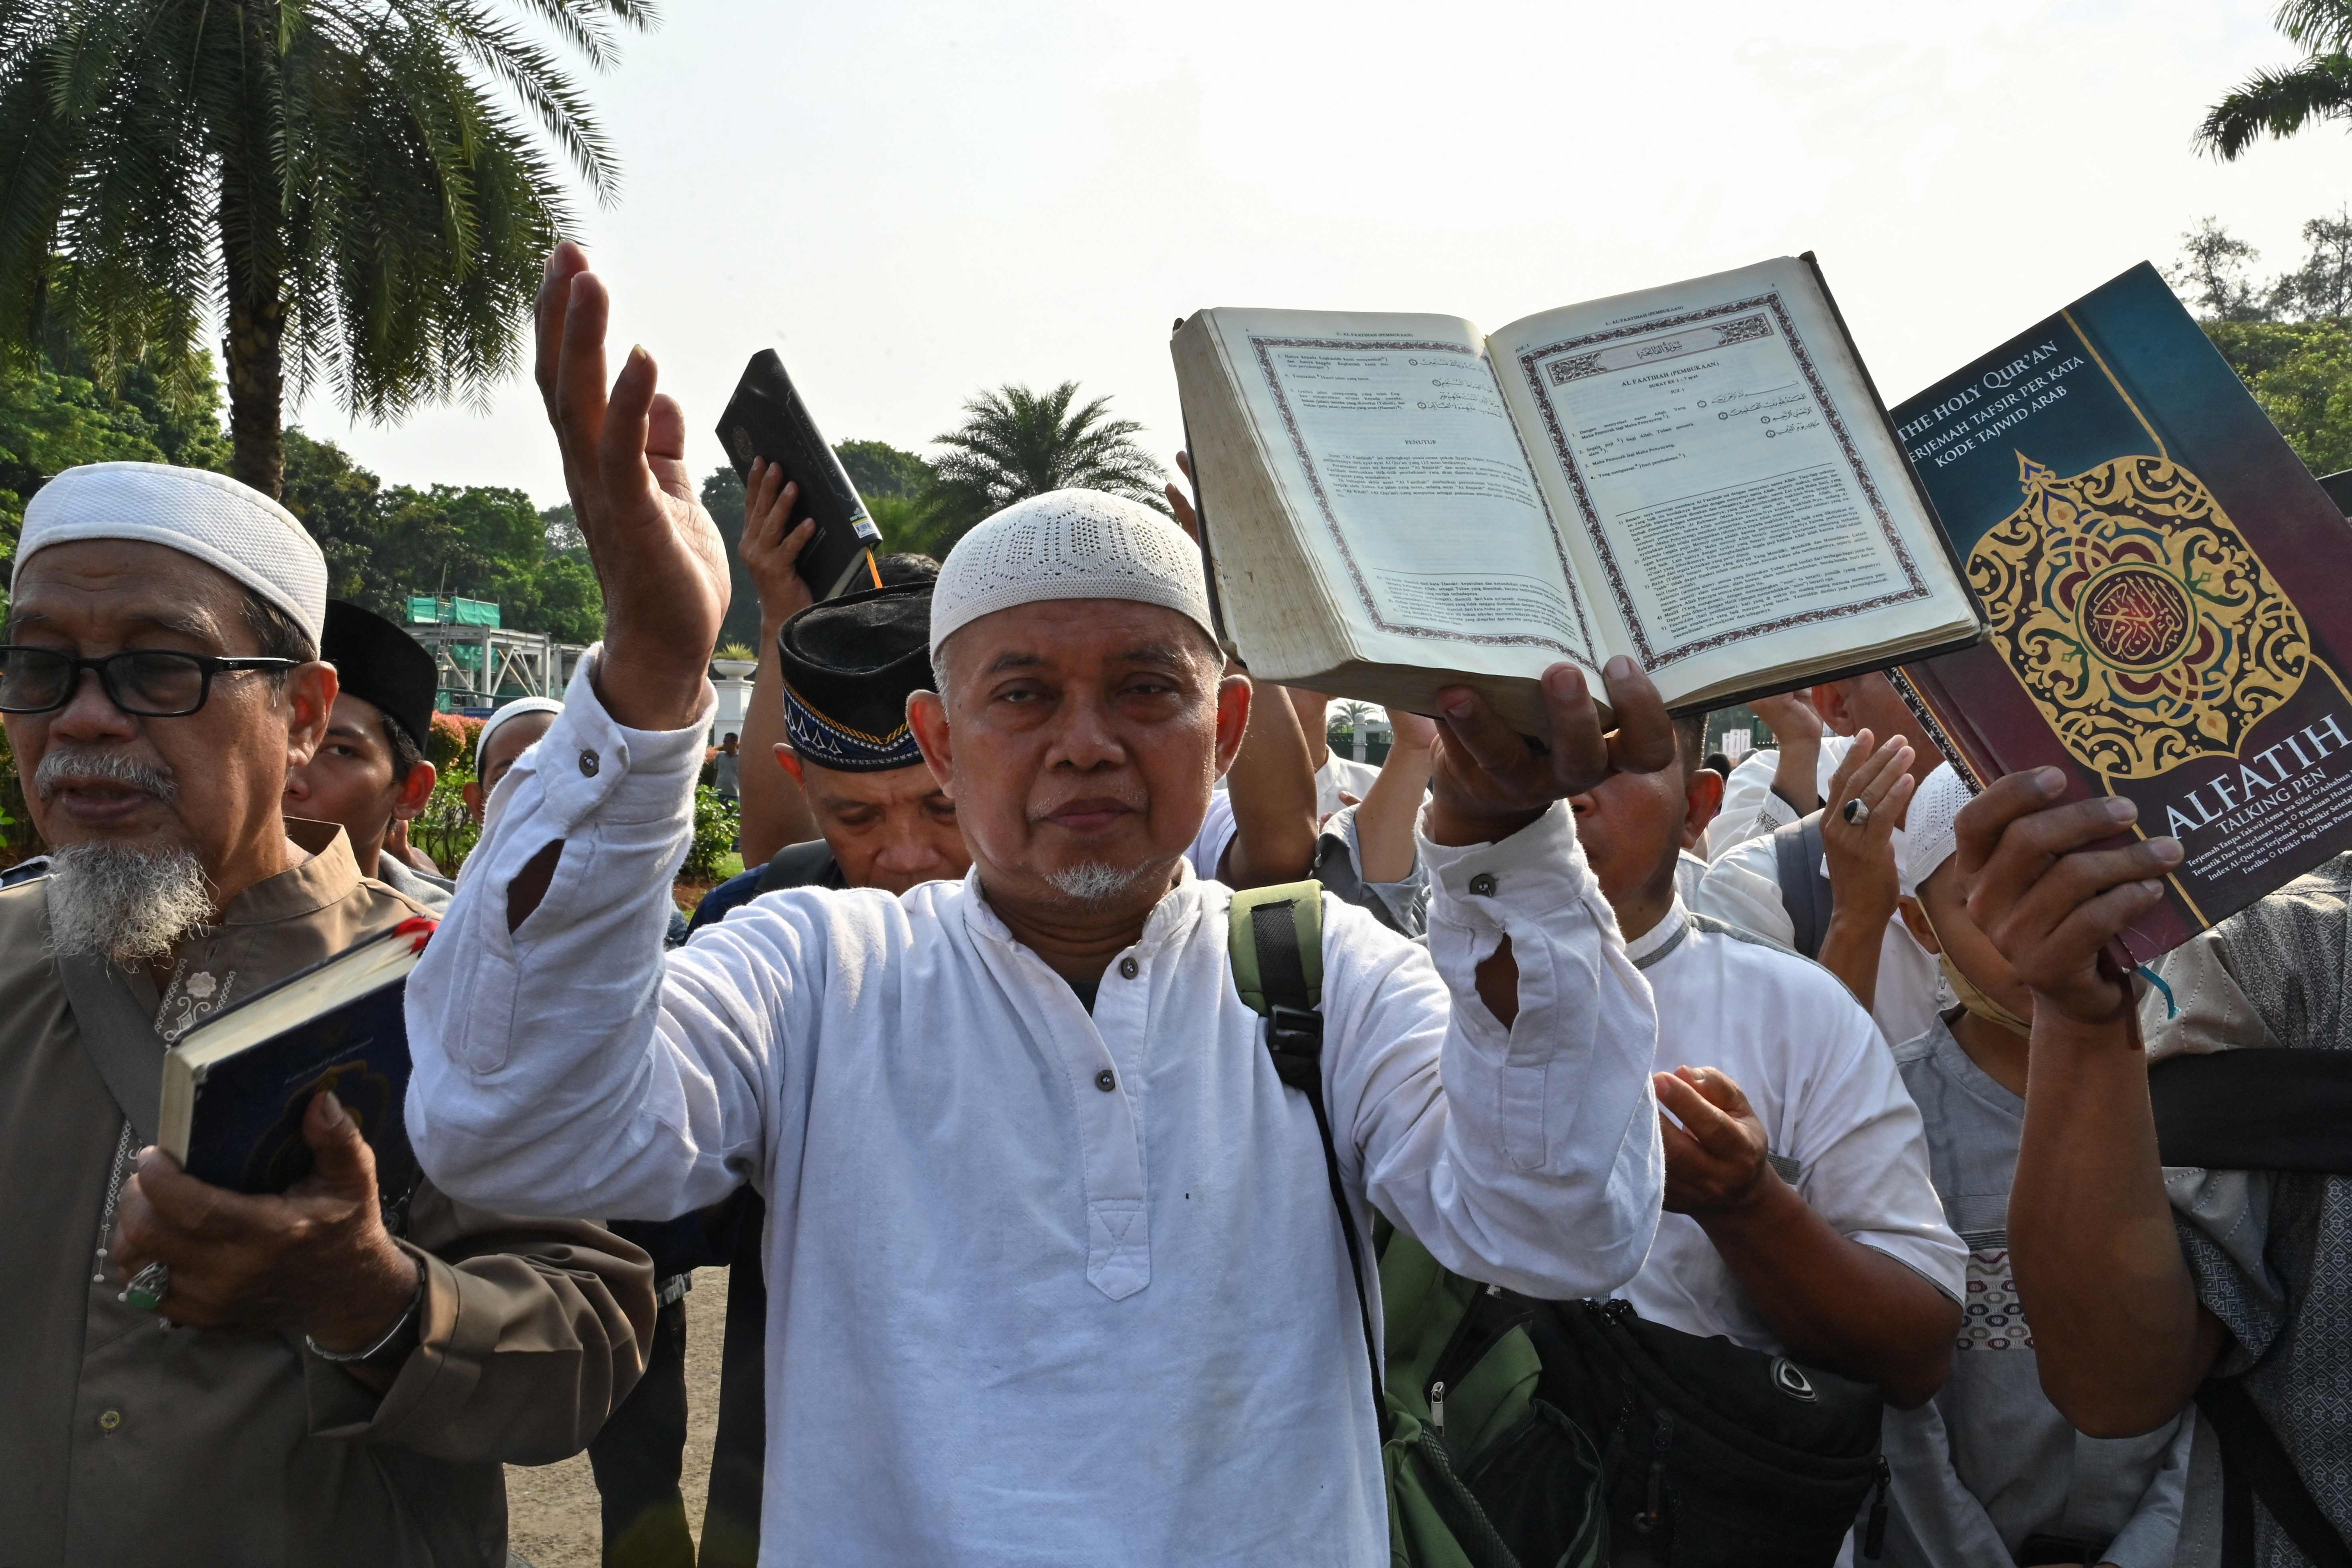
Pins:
x: 149, y: 683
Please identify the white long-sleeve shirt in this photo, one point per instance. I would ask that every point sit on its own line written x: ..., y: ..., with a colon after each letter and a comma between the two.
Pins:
x: 1840, y: 1125
x: 1044, y: 1286
x: 1751, y: 806
x: 1743, y: 889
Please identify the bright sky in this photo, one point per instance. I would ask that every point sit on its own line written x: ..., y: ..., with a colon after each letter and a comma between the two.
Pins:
x: 912, y: 201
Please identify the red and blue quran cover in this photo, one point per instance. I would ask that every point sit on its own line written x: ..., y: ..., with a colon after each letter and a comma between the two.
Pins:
x: 2169, y: 594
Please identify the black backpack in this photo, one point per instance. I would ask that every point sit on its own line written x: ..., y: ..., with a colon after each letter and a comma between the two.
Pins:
x: 1709, y: 1455
x: 1712, y: 1454
x: 1805, y: 889
x: 2261, y: 1109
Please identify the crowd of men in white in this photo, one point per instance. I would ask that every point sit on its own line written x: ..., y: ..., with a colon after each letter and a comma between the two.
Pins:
x: 1050, y: 1266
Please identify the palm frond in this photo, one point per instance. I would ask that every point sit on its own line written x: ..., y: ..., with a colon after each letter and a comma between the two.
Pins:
x: 2278, y: 103
x: 372, y: 183
x: 2317, y: 26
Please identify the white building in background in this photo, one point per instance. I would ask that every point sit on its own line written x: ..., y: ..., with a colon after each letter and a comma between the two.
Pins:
x: 730, y: 679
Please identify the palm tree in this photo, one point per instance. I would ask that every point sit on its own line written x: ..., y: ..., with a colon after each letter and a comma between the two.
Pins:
x: 340, y: 186
x: 1015, y: 443
x: 2282, y: 102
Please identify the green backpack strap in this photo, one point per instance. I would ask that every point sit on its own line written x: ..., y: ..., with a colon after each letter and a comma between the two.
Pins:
x: 1275, y: 940
x: 1276, y: 945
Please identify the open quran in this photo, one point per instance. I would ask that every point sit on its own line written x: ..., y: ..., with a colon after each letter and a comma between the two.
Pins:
x: 1700, y: 477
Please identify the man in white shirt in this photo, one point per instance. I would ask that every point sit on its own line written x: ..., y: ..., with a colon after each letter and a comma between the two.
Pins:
x: 1747, y: 886
x: 1054, y: 1270
x: 1814, y: 730
x: 1339, y: 781
x: 1802, y: 1217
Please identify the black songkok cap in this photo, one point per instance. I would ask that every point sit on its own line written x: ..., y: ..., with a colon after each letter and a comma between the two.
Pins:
x: 379, y: 663
x: 848, y: 666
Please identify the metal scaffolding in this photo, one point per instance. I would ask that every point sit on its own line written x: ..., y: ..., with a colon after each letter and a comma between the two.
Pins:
x: 481, y: 665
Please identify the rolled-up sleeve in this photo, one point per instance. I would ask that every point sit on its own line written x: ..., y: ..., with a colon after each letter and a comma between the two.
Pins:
x: 566, y: 1065
x: 1527, y: 1156
x: 528, y: 1335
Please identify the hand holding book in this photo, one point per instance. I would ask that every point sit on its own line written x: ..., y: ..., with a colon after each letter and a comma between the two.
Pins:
x: 1491, y: 781
x: 2050, y: 901
x: 772, y: 545
x: 315, y: 1257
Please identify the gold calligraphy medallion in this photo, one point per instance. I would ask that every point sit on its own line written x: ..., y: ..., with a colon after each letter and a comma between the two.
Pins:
x: 2140, y: 621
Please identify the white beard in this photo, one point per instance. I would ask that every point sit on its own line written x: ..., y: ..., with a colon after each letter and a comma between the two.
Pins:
x: 1093, y: 881
x: 133, y: 905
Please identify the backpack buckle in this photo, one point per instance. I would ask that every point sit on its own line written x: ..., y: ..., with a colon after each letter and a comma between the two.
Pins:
x: 1294, y: 1037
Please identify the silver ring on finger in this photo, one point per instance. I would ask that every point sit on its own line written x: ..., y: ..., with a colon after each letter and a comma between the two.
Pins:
x: 148, y: 1288
x: 1856, y: 812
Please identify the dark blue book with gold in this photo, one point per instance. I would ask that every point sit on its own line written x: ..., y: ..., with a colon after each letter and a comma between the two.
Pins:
x: 2168, y: 590
x: 236, y: 1086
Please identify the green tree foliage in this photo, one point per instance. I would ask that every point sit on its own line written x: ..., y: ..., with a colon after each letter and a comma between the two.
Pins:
x: 2283, y: 101
x: 894, y: 483
x: 483, y: 541
x: 2290, y: 341
x: 1014, y: 443
x: 2212, y: 275
x: 881, y: 470
x: 2301, y: 373
x: 723, y: 498
x: 61, y: 405
x: 359, y: 193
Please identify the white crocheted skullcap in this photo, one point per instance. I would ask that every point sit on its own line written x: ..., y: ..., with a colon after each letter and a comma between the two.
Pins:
x: 226, y: 525
x: 514, y: 710
x: 1928, y: 832
x: 1069, y: 544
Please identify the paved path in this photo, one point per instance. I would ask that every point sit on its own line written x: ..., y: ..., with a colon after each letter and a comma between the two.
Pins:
x: 552, y: 1509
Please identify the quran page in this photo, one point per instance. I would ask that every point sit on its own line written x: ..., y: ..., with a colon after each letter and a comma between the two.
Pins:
x: 1412, y: 496
x: 1725, y: 477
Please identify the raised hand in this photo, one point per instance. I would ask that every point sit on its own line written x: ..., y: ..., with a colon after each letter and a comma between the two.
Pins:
x: 657, y: 555
x: 1861, y: 856
x: 1490, y: 781
x: 1789, y: 716
x: 771, y: 545
x: 2047, y: 900
x: 1180, y: 504
x: 1409, y: 731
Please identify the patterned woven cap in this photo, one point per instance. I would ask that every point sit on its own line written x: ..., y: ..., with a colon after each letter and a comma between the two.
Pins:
x: 1069, y: 544
x: 226, y: 525
x: 848, y: 667
x: 1929, y: 837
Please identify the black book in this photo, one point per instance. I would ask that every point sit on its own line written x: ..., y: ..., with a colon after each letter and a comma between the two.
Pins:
x: 766, y: 419
x: 236, y: 1087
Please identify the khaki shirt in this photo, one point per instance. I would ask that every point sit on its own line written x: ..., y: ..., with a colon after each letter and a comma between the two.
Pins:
x: 124, y: 1440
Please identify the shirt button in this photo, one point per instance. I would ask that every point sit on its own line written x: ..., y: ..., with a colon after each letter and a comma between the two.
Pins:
x: 1128, y: 969
x: 108, y: 1420
x: 1483, y: 884
x: 589, y: 763
x: 1105, y: 1081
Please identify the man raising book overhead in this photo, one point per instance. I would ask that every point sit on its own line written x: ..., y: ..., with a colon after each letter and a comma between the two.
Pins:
x: 193, y: 1374
x: 1040, y: 1207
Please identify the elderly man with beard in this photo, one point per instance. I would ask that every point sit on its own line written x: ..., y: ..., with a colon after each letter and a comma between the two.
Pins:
x: 285, y: 1380
x: 1054, y: 1271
